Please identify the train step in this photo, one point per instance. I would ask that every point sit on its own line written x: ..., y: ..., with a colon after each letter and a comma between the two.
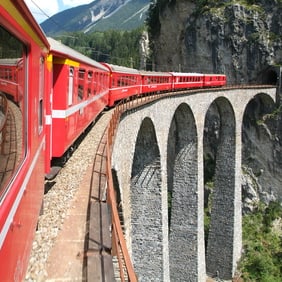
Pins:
x: 53, y: 172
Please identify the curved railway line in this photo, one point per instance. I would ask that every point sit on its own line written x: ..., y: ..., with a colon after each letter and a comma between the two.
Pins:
x: 104, y: 256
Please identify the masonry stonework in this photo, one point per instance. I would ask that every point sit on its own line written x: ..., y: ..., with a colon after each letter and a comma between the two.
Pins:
x: 158, y: 160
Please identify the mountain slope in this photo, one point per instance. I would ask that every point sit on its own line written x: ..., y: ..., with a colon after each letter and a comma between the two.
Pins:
x: 99, y: 15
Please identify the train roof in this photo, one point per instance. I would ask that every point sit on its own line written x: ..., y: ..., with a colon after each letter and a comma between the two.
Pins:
x: 186, y: 74
x: 155, y: 73
x: 116, y: 68
x: 65, y: 51
x: 10, y: 61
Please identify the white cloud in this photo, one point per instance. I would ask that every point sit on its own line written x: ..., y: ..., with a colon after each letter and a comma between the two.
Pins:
x: 42, y: 9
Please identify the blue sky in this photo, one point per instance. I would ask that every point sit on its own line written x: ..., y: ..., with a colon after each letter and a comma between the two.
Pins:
x: 51, y: 7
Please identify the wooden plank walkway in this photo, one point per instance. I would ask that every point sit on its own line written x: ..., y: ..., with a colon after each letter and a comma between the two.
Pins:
x: 99, y: 258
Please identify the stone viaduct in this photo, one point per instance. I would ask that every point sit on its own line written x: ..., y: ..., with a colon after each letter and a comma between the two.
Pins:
x: 159, y: 168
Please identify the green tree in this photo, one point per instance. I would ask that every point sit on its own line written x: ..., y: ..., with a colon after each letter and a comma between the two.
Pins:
x: 112, y: 46
x: 261, y: 260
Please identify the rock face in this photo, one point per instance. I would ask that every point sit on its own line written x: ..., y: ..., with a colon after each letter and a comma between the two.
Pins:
x: 262, y: 150
x: 239, y: 40
x: 242, y: 40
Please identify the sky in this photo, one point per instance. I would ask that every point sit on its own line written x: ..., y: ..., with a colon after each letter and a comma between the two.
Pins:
x: 51, y: 7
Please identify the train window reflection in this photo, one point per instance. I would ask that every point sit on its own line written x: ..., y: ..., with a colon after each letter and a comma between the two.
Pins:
x: 12, y: 107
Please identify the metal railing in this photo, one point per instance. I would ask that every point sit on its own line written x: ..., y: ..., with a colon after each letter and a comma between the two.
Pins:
x: 120, y: 250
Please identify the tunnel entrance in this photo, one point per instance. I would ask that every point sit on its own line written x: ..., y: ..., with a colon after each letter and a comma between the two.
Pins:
x: 271, y: 75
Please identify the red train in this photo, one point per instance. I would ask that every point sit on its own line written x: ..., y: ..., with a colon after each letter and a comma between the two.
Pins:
x: 53, y: 94
x: 11, y: 79
x: 78, y: 90
x: 22, y: 149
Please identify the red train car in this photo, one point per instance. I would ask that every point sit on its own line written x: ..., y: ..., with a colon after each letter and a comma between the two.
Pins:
x: 156, y: 81
x: 11, y: 77
x: 124, y: 82
x: 187, y: 80
x: 79, y: 89
x: 22, y: 153
x: 214, y: 80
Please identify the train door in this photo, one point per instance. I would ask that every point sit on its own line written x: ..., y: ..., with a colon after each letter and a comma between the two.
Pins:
x: 48, y: 116
x: 70, y: 86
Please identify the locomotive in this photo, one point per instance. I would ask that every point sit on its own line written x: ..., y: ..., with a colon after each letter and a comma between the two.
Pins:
x: 49, y: 95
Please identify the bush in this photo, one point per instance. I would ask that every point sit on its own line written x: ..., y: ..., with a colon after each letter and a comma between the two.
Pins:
x: 261, y: 260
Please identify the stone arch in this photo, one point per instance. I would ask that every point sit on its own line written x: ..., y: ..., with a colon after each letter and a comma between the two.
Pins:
x: 146, y: 218
x: 182, y: 171
x: 260, y: 134
x: 219, y: 255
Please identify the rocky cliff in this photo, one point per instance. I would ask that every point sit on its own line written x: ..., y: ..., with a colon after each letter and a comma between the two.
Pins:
x: 242, y: 40
x: 233, y: 37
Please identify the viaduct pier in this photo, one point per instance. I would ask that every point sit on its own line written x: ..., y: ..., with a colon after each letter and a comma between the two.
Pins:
x: 158, y: 164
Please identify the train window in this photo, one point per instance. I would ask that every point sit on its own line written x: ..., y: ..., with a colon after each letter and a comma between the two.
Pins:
x: 81, y: 74
x: 95, y: 84
x: 98, y: 83
x: 13, y: 110
x: 80, y: 92
x: 90, y: 76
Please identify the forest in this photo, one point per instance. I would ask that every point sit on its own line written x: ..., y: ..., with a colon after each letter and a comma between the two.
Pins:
x: 114, y: 47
